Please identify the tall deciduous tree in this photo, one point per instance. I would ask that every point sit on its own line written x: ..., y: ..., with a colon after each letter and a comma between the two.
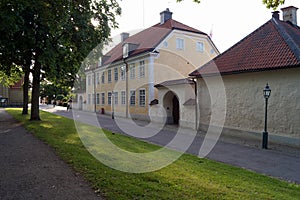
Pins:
x: 55, y: 35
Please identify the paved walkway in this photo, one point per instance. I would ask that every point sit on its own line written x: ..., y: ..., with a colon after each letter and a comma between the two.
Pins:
x: 281, y: 164
x: 29, y: 169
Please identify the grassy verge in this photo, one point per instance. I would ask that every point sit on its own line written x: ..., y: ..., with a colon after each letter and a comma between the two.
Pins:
x: 187, y: 178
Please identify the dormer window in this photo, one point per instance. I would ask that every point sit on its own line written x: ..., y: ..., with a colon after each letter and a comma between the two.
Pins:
x: 125, y: 50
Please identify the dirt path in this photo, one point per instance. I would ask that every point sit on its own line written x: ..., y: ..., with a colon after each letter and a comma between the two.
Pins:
x: 29, y: 169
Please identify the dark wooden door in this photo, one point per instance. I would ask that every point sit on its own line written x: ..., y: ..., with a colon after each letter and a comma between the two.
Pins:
x: 175, y: 111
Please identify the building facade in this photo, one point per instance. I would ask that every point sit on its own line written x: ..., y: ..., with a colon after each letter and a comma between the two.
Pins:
x: 123, y: 81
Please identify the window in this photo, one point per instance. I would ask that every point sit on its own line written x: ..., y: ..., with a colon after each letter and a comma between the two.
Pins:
x: 165, y: 44
x: 109, y: 98
x: 179, y: 43
x: 89, y: 80
x: 103, y: 98
x: 98, y: 98
x: 102, y: 78
x: 109, y: 75
x: 132, y: 97
x: 142, y: 97
x: 199, y: 46
x: 142, y: 69
x: 123, y: 72
x: 98, y: 78
x: 116, y: 73
x: 89, y: 99
x: 116, y: 98
x: 132, y: 71
x: 123, y: 97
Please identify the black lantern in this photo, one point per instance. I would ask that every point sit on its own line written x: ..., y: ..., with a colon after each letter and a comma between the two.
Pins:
x: 267, y: 93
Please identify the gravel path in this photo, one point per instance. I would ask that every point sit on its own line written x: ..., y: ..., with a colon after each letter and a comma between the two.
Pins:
x: 29, y: 169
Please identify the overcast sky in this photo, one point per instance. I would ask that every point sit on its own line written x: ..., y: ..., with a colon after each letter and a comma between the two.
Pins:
x: 229, y: 20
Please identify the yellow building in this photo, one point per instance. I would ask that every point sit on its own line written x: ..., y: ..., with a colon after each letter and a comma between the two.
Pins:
x: 123, y: 81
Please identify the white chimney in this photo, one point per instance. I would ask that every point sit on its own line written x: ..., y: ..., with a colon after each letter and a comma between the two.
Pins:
x: 124, y: 36
x: 165, y: 16
x: 290, y: 14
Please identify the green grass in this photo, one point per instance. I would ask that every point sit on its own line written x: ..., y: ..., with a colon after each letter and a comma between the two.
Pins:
x: 188, y: 178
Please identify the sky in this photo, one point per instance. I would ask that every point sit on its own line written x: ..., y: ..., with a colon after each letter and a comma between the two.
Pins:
x: 229, y: 20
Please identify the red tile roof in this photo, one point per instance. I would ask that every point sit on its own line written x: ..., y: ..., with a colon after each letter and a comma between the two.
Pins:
x: 147, y: 40
x: 274, y: 45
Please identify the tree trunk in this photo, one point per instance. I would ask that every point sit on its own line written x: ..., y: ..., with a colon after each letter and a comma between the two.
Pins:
x: 35, y: 112
x: 25, y: 90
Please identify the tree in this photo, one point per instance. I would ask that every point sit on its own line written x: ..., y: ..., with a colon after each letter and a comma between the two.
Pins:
x: 269, y: 3
x: 54, y: 35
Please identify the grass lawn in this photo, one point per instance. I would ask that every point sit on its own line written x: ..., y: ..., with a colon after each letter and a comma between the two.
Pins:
x: 188, y: 178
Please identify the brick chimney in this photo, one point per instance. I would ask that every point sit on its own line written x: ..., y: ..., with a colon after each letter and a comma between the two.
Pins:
x: 124, y: 36
x: 290, y: 14
x: 165, y: 16
x: 275, y: 15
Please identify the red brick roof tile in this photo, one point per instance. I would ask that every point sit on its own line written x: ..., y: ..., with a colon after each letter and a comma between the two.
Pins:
x: 274, y: 45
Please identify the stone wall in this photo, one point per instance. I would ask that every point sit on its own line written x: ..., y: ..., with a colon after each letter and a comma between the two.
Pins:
x: 245, y: 104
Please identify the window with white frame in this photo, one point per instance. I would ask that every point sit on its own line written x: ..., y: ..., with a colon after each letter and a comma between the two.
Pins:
x: 179, y: 43
x: 98, y: 98
x: 103, y: 78
x: 102, y: 98
x: 116, y: 97
x: 89, y: 80
x: 142, y: 69
x: 132, y: 97
x: 109, y: 98
x: 199, y: 46
x: 132, y: 71
x: 98, y: 78
x: 109, y: 76
x: 123, y: 72
x: 116, y: 73
x: 142, y: 97
x: 123, y: 97
x: 89, y: 99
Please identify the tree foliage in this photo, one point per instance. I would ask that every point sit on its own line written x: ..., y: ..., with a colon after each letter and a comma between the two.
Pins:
x: 50, y: 38
x: 268, y: 3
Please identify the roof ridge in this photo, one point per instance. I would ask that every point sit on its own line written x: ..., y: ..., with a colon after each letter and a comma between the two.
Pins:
x: 287, y: 38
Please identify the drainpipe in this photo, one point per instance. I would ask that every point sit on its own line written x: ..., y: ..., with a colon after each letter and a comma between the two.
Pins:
x: 196, y: 103
x: 126, y: 79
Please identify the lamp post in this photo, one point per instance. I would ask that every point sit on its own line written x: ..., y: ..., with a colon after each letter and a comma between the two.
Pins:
x: 267, y: 93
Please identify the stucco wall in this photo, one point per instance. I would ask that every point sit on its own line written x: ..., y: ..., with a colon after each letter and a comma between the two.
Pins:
x: 245, y: 102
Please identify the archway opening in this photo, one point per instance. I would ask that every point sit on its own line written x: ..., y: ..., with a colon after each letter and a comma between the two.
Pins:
x: 171, y: 105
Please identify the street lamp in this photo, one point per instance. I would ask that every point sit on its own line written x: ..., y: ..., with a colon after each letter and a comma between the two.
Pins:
x: 267, y: 93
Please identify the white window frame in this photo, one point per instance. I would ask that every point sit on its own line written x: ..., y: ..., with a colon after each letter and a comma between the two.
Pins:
x: 200, y: 46
x: 179, y: 43
x: 142, y: 69
x: 132, y: 70
x: 132, y: 103
x: 109, y: 98
x: 116, y: 73
x: 98, y: 98
x: 142, y: 104
x: 116, y: 98
x: 109, y: 75
x: 103, y: 98
x: 98, y: 78
x: 123, y: 97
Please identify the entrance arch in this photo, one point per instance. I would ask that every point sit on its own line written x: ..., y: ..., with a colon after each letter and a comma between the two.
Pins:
x: 171, y: 105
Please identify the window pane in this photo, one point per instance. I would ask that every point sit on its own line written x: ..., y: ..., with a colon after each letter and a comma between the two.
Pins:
x: 132, y: 71
x: 142, y: 69
x: 103, y: 98
x: 132, y: 98
x: 116, y: 74
x: 123, y: 97
x: 116, y: 98
x: 142, y: 97
x: 109, y: 98
x: 109, y: 75
x: 200, y: 46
